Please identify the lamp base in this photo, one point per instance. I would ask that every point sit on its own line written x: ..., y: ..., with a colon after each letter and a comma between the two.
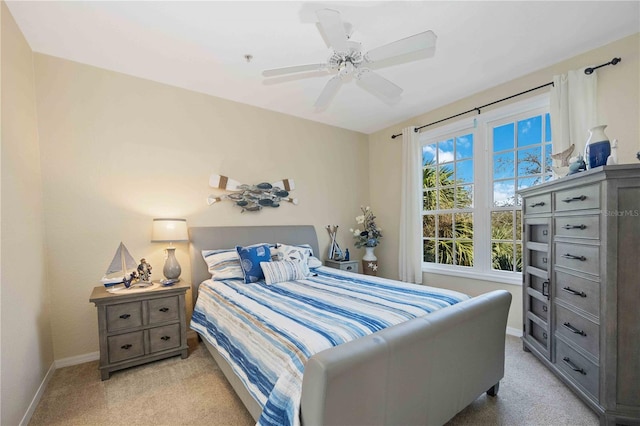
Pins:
x: 171, y: 268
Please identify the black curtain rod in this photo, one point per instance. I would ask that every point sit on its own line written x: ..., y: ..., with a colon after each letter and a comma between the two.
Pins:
x: 587, y: 71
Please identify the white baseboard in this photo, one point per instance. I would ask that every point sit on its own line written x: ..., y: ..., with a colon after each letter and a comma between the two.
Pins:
x: 78, y: 359
x: 36, y: 399
x: 59, y: 363
x: 514, y: 332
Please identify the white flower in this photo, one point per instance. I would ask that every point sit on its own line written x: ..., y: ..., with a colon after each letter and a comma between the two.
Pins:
x: 360, y: 219
x: 357, y: 232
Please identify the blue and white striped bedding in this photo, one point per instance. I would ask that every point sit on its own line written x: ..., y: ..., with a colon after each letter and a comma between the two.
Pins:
x: 267, y: 332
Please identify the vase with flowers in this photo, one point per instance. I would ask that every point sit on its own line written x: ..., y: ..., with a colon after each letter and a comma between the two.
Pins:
x: 369, y: 237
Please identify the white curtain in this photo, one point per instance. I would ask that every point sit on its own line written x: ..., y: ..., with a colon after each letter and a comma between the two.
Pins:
x: 409, y: 257
x: 573, y: 110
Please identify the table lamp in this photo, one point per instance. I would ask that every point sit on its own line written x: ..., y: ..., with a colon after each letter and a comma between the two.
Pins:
x: 171, y: 231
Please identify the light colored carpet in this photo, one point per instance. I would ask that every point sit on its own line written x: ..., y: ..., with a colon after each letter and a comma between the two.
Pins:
x: 194, y: 392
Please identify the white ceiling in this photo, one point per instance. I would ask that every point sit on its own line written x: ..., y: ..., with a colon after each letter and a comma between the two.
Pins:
x: 201, y: 46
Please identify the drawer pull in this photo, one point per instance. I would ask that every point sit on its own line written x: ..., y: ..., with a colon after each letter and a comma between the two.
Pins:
x: 165, y: 338
x: 538, y: 204
x: 544, y: 308
x: 573, y: 329
x: 349, y: 268
x: 578, y: 198
x: 567, y: 226
x: 125, y: 316
x: 574, y: 292
x: 545, y: 289
x: 571, y: 256
x: 544, y: 335
x: 573, y: 366
x: 127, y: 346
x: 164, y: 309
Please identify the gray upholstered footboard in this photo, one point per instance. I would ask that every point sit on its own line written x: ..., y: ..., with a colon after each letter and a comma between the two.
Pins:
x: 422, y: 372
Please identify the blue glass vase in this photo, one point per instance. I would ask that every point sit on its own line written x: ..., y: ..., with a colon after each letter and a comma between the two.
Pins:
x: 598, y: 147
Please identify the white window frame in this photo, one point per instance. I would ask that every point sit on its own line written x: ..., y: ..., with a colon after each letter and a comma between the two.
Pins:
x: 483, y: 187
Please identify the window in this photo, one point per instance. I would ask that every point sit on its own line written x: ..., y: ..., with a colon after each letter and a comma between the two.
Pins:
x: 471, y: 171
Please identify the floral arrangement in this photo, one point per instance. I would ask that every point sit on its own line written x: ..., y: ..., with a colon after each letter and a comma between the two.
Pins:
x: 371, y: 235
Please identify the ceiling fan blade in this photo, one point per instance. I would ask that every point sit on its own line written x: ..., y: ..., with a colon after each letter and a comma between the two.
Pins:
x: 333, y: 28
x: 329, y: 91
x: 290, y: 70
x: 414, y: 43
x: 379, y: 85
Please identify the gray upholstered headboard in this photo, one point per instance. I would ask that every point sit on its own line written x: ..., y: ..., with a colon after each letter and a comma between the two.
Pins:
x: 220, y: 237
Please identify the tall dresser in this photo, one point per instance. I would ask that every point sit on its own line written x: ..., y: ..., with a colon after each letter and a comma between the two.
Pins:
x: 581, y: 285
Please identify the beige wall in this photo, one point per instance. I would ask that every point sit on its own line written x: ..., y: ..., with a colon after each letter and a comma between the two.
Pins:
x: 618, y: 105
x: 118, y: 151
x: 27, y: 349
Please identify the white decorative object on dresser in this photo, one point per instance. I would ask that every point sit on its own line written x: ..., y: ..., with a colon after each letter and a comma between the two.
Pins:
x: 139, y: 327
x: 581, y: 289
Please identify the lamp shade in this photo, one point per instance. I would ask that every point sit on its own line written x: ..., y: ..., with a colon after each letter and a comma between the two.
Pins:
x: 169, y: 230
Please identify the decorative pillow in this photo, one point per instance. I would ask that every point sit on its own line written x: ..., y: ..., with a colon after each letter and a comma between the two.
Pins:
x: 223, y: 264
x: 284, y: 270
x: 299, y: 253
x: 250, y: 258
x: 314, y: 262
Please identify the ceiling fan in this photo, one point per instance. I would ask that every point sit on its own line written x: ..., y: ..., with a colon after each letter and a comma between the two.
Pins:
x: 348, y: 61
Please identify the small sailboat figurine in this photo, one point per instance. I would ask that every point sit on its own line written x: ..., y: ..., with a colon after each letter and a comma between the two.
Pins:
x: 121, y: 270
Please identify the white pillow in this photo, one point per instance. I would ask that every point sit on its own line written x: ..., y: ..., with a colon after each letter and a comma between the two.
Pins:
x: 299, y: 254
x: 223, y: 264
x: 314, y: 262
x: 284, y: 270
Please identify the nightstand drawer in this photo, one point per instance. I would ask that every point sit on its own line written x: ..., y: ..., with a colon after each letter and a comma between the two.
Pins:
x: 167, y: 337
x: 344, y: 265
x: 125, y: 346
x: 124, y: 315
x: 163, y: 310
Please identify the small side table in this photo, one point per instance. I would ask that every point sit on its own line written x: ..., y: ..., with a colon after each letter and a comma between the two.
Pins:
x: 140, y: 327
x: 345, y: 265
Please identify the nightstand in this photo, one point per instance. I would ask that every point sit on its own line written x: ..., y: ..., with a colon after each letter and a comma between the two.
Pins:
x: 345, y: 265
x: 140, y: 327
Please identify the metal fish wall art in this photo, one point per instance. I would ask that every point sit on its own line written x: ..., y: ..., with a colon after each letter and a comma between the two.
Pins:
x: 252, y: 198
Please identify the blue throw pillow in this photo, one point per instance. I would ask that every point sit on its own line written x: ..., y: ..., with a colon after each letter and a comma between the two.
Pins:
x: 250, y: 258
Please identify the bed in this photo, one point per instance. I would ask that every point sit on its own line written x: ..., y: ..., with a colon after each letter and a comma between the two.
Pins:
x: 422, y: 370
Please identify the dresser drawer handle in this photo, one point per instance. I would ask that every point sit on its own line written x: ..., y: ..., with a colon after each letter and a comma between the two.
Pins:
x: 349, y: 268
x: 573, y: 329
x: 545, y: 289
x: 125, y: 316
x: 573, y: 366
x: 574, y: 292
x: 567, y: 226
x: 127, y: 346
x: 538, y: 204
x: 164, y: 309
x: 578, y: 198
x: 165, y: 338
x: 571, y: 256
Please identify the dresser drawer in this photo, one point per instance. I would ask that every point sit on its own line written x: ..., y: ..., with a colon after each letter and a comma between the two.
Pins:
x: 125, y: 346
x: 578, y: 257
x: 577, y: 329
x: 124, y: 316
x: 577, y: 367
x: 578, y: 226
x: 537, y: 204
x: 162, y: 338
x: 584, y: 197
x: 163, y: 310
x: 578, y: 292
